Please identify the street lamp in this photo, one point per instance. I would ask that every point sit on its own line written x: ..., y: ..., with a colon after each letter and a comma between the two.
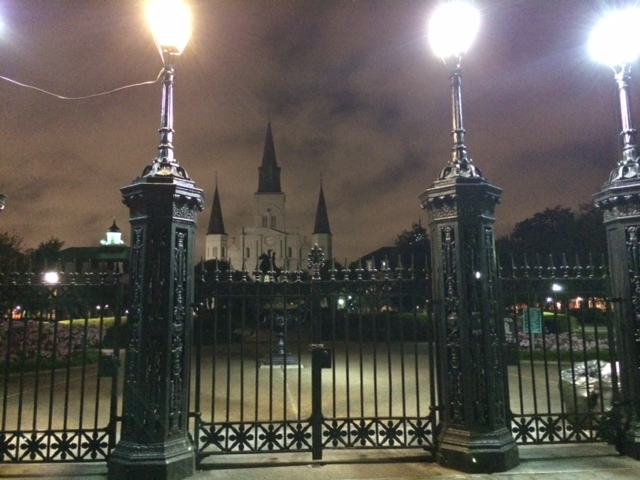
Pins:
x: 614, y: 42
x: 163, y: 204
x: 472, y: 384
x: 51, y: 278
x: 452, y: 29
x: 170, y: 23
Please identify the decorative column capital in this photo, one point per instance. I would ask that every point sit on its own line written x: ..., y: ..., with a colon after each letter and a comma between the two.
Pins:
x: 461, y: 198
x: 619, y: 200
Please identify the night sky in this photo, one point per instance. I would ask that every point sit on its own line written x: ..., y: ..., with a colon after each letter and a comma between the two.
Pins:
x: 353, y: 92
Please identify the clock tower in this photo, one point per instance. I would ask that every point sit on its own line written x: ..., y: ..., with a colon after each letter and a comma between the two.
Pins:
x: 270, y: 233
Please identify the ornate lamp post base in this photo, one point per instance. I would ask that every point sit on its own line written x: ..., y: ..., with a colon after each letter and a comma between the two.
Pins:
x: 477, y: 452
x: 173, y: 460
x: 276, y: 359
x: 280, y: 355
x: 631, y: 442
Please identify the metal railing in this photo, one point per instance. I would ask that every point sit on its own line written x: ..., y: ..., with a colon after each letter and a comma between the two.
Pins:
x: 560, y: 351
x: 58, y: 366
x: 342, y: 359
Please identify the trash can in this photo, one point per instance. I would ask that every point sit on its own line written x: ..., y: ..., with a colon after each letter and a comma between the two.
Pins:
x: 587, y: 387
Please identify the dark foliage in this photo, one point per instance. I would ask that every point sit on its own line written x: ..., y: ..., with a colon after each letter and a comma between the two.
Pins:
x: 553, y: 232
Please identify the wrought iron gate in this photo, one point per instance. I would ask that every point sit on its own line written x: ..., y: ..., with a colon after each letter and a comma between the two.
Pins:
x: 58, y: 366
x: 561, y: 353
x: 310, y: 365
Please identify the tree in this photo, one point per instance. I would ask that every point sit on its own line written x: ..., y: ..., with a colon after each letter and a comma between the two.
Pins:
x: 413, y: 246
x: 555, y: 231
x: 46, y: 255
x: 12, y: 256
x: 411, y: 250
x: 590, y: 234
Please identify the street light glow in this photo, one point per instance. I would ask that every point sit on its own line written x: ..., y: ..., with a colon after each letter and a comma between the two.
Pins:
x: 614, y: 40
x: 51, y: 278
x: 452, y: 28
x: 170, y: 23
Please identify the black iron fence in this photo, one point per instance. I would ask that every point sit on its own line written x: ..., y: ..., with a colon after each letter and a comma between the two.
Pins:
x: 344, y: 360
x: 560, y: 348
x: 59, y: 357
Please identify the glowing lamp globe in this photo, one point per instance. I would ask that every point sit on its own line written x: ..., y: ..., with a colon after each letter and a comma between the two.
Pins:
x: 51, y: 278
x: 452, y: 28
x: 614, y: 41
x: 170, y: 23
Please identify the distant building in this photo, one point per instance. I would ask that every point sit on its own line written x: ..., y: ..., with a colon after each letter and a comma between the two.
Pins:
x: 112, y: 253
x: 270, y: 236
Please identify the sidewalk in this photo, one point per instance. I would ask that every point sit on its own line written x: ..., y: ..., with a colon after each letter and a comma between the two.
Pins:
x: 553, y: 462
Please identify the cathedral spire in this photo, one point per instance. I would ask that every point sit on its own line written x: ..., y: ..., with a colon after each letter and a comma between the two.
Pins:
x: 269, y: 172
x: 216, y: 224
x: 322, y: 218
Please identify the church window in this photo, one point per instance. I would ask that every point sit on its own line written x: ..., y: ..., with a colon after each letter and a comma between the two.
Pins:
x: 214, y: 252
x: 265, y: 220
x: 274, y: 221
x: 224, y: 254
x: 248, y: 253
x: 290, y: 252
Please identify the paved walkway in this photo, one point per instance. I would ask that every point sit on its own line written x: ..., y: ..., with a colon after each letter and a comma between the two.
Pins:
x: 555, y: 462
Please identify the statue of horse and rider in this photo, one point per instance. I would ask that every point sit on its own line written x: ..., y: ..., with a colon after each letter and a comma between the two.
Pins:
x: 267, y: 266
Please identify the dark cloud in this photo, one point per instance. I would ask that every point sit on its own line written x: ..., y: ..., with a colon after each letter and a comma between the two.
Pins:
x: 353, y: 93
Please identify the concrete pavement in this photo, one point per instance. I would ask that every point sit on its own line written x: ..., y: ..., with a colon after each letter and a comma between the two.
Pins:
x: 551, y: 462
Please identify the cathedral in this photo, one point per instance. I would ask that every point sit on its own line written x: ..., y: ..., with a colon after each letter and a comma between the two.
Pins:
x: 270, y: 237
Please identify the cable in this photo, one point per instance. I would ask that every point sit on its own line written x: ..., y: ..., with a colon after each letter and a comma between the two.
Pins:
x: 62, y: 97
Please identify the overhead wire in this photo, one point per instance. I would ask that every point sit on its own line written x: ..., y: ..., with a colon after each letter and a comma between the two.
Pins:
x: 84, y: 97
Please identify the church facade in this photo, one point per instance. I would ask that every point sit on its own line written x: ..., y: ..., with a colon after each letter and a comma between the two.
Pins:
x: 270, y: 236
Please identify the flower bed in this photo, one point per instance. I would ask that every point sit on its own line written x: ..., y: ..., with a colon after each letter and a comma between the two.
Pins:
x: 30, y: 340
x: 569, y: 345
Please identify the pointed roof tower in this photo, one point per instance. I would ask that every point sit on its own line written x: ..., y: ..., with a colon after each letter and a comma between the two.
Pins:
x: 269, y: 172
x: 114, y: 227
x: 216, y: 224
x: 322, y: 219
x: 114, y: 235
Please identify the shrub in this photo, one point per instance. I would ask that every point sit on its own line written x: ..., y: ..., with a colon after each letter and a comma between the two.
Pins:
x: 559, y: 322
x: 29, y: 340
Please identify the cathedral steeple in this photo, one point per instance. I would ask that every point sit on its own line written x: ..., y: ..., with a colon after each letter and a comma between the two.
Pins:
x: 321, y: 235
x: 322, y: 218
x: 269, y: 172
x: 216, y: 224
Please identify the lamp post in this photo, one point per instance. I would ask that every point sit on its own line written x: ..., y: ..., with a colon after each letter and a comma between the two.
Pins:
x: 475, y: 435
x: 614, y: 42
x: 163, y: 204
